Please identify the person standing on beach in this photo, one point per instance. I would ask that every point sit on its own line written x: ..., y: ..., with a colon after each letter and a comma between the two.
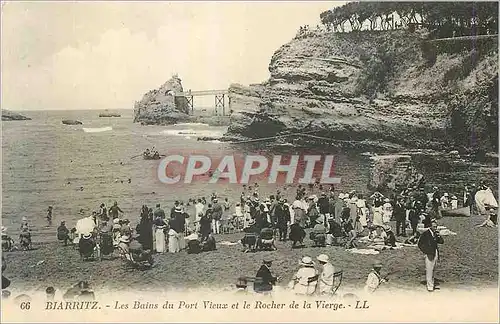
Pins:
x: 428, y: 244
x: 216, y: 216
x: 159, y: 213
x: 113, y: 210
x: 49, y: 216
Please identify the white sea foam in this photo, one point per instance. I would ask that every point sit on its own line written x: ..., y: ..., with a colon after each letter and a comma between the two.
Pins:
x: 191, y: 132
x: 97, y: 130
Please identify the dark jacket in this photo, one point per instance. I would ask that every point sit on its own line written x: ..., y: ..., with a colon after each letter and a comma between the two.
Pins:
x: 282, y: 215
x: 399, y: 211
x: 266, y: 279
x: 324, y: 206
x: 428, y: 243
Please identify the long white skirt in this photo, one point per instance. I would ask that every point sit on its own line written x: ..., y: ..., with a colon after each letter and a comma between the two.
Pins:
x: 377, y: 216
x: 173, y: 242
x: 160, y: 240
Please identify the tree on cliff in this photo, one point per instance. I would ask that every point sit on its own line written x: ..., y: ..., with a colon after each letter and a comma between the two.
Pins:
x: 445, y: 19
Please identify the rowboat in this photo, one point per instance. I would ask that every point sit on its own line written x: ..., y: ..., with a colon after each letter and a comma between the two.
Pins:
x: 458, y: 212
x: 151, y: 157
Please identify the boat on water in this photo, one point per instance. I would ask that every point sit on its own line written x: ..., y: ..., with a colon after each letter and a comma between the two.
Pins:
x: 458, y: 212
x: 147, y: 156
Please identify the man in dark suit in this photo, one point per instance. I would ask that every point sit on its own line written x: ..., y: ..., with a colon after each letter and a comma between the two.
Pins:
x: 400, y: 215
x: 264, y: 280
x: 428, y: 244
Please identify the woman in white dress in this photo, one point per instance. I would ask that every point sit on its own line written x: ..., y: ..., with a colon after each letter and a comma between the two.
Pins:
x: 386, y: 211
x: 377, y: 216
x: 160, y: 226
x: 361, y: 206
x: 173, y: 241
x: 305, y: 280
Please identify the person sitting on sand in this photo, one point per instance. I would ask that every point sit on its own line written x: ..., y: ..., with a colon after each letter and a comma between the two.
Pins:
x: 374, y: 278
x: 266, y: 239
x: 297, y: 234
x: 413, y: 239
x: 318, y: 234
x: 390, y: 240
x: 7, y: 241
x: 251, y: 236
x: 62, y: 233
x: 209, y: 244
x: 193, y: 244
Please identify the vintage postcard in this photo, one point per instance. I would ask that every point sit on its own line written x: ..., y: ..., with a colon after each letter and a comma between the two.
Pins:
x: 249, y: 161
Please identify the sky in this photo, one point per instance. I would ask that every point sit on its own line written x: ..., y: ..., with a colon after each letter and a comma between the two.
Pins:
x: 106, y: 55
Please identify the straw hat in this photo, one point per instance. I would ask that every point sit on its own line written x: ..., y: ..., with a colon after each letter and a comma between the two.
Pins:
x: 454, y: 197
x: 341, y: 195
x: 87, y: 236
x: 116, y: 221
x: 387, y: 200
x: 323, y: 258
x: 267, y: 260
x: 377, y: 264
x: 445, y: 194
x: 178, y: 208
x: 24, y: 219
x: 306, y: 261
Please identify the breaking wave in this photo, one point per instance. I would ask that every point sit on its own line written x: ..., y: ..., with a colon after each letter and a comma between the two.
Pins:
x: 97, y: 130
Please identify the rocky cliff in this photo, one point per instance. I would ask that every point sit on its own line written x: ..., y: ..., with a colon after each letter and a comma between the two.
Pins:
x: 375, y: 89
x: 162, y: 106
x: 9, y: 115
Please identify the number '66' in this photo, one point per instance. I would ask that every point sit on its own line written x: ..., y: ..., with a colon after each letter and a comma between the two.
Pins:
x: 25, y: 305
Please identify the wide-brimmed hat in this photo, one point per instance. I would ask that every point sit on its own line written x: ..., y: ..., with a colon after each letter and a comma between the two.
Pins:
x: 307, y: 261
x: 454, y: 197
x: 267, y: 260
x: 377, y: 264
x: 87, y: 236
x: 323, y: 258
x: 178, y: 208
x: 341, y: 195
x: 387, y: 200
x: 24, y: 219
x: 116, y: 221
x: 125, y: 239
x: 445, y: 194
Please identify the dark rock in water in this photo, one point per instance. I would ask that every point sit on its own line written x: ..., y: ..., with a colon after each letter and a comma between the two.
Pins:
x: 71, y: 122
x: 109, y: 115
x: 163, y: 106
x: 9, y: 115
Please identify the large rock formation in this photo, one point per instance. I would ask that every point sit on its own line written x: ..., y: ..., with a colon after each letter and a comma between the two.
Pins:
x: 385, y: 89
x: 9, y: 115
x: 163, y: 105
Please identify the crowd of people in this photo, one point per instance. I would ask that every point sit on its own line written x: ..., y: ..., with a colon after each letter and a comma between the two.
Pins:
x: 344, y: 219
